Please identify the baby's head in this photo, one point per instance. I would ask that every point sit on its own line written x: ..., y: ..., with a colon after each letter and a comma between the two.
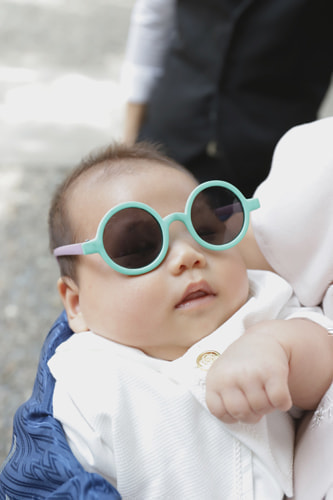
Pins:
x: 160, y: 302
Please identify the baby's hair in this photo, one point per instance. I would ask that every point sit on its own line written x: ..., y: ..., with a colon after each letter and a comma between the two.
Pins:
x: 114, y: 159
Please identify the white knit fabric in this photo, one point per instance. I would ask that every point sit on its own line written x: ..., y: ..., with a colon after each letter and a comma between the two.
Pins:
x: 294, y: 229
x: 313, y: 456
x: 143, y: 423
x: 151, y: 29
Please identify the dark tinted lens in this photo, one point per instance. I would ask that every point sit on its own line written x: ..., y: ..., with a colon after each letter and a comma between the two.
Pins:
x: 132, y: 238
x: 217, y: 215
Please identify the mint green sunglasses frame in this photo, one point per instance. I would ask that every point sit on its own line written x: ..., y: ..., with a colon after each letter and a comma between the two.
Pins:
x: 96, y: 245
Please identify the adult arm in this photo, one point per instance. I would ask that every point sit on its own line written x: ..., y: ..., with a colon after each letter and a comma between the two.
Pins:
x: 149, y: 35
x: 292, y: 232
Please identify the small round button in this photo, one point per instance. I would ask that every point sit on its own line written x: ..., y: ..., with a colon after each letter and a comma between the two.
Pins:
x: 211, y: 149
x: 206, y: 359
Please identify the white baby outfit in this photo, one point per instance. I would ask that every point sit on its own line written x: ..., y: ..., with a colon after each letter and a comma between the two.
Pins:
x: 143, y: 423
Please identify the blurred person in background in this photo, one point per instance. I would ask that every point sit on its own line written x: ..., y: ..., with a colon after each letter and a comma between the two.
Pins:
x: 217, y: 83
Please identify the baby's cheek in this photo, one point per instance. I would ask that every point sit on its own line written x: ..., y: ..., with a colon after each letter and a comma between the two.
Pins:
x: 240, y: 287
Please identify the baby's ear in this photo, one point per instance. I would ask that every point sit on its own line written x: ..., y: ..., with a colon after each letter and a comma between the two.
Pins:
x: 70, y: 296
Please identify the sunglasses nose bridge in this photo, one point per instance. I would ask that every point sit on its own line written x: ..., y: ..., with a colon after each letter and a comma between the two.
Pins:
x: 185, y: 219
x: 175, y: 217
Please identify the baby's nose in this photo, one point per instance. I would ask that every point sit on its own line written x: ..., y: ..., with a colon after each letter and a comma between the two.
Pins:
x: 185, y: 254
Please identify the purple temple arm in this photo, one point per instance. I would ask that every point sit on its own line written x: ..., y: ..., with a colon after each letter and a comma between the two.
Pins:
x: 74, y: 249
x: 229, y: 210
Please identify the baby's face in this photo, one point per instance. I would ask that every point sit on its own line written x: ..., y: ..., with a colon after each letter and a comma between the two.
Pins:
x: 167, y: 310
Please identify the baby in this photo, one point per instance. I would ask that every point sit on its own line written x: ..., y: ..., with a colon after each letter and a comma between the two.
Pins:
x: 174, y: 332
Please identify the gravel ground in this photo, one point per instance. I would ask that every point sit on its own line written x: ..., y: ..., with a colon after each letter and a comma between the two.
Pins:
x: 28, y: 296
x: 59, y: 98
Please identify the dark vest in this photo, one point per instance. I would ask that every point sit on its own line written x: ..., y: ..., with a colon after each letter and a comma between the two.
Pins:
x: 240, y: 73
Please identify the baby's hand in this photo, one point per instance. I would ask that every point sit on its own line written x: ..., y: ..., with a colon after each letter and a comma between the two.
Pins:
x: 249, y: 380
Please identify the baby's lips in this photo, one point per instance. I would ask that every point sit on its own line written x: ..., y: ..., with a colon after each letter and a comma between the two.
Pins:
x: 195, y: 291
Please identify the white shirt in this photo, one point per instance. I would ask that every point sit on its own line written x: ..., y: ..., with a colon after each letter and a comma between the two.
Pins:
x: 143, y: 424
x: 149, y: 36
x: 294, y: 226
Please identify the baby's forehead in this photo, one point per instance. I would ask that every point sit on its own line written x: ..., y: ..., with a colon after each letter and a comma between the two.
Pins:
x: 110, y: 172
x: 113, y: 169
x: 99, y: 188
x: 103, y: 173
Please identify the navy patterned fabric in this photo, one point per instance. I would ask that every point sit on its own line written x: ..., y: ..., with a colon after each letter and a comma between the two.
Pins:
x: 40, y: 464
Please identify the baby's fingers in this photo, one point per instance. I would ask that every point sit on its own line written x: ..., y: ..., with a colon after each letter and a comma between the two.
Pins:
x: 233, y: 406
x: 216, y: 407
x: 278, y: 394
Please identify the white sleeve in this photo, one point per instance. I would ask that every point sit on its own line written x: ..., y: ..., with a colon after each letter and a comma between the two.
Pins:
x: 94, y: 453
x: 313, y: 453
x: 150, y: 31
x: 294, y: 225
x: 294, y: 310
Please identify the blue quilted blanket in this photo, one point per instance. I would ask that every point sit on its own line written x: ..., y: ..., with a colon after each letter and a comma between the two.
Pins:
x: 40, y: 464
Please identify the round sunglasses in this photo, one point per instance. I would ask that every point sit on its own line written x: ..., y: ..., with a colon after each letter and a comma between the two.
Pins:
x: 133, y: 238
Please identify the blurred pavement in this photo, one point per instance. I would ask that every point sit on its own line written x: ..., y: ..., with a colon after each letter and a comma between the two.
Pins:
x: 59, y: 98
